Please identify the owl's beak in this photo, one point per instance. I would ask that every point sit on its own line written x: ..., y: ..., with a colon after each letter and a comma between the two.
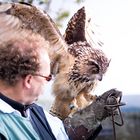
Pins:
x: 100, y: 76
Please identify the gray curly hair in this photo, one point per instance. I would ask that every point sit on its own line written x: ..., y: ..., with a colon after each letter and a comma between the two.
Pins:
x: 19, y: 57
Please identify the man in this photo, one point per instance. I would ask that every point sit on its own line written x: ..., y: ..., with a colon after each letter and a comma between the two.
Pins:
x: 24, y: 73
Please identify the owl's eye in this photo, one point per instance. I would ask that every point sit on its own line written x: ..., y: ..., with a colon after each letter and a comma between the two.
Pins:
x: 94, y: 67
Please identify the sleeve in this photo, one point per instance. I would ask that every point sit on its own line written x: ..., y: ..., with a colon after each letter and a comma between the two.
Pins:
x: 57, y: 127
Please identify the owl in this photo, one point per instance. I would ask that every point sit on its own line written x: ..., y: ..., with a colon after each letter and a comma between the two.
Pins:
x: 75, y: 64
x: 73, y: 87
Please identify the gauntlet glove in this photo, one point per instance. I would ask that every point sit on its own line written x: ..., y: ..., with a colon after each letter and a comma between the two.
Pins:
x: 86, y: 123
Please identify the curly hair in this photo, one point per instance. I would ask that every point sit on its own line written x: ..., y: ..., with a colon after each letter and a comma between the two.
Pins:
x: 19, y: 58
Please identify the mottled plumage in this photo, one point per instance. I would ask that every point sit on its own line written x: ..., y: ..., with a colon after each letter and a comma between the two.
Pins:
x: 87, y: 68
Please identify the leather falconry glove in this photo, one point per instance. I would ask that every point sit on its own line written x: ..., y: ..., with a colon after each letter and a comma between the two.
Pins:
x: 83, y: 124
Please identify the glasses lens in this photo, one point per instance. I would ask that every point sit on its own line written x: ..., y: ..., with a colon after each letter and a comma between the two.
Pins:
x: 49, y: 78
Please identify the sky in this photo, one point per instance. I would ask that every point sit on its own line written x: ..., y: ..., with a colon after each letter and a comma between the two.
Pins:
x: 118, y: 26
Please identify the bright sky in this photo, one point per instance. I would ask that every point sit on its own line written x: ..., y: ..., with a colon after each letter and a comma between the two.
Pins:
x: 119, y: 25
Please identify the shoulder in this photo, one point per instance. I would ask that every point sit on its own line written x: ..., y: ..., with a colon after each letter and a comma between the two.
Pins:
x: 55, y: 123
x: 50, y: 118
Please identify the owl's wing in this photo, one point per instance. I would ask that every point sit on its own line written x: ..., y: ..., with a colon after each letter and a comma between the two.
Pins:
x: 81, y: 28
x: 75, y: 30
x: 17, y: 18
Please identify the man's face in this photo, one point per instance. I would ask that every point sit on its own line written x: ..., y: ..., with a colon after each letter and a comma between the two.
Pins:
x: 39, y: 82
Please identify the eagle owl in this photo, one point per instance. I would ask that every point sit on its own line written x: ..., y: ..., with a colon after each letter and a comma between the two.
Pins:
x: 75, y: 64
x: 87, y: 66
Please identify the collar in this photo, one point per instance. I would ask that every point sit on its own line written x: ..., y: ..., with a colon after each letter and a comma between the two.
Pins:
x: 6, y: 108
x: 12, y: 105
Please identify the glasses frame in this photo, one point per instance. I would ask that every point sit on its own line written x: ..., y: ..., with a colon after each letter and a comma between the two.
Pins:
x: 47, y: 78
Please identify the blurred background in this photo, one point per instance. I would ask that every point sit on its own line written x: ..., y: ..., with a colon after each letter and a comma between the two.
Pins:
x: 116, y: 23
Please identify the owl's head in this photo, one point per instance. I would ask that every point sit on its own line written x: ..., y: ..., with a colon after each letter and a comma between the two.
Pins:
x: 90, y: 64
x: 98, y: 64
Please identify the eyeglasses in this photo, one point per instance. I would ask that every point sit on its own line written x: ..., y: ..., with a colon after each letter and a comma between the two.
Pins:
x: 47, y: 78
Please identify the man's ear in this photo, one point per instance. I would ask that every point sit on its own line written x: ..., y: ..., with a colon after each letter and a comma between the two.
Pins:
x: 27, y: 81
